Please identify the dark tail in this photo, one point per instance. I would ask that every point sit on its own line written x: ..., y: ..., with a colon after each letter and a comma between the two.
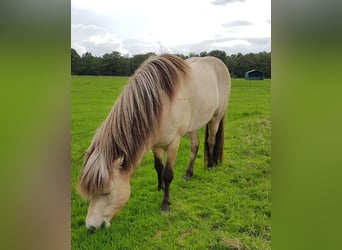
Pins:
x: 217, y: 156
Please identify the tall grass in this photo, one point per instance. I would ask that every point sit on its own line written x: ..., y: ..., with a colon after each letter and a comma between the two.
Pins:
x: 228, y: 207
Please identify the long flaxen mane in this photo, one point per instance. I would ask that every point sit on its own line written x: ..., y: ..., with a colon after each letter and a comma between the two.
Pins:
x: 132, y: 121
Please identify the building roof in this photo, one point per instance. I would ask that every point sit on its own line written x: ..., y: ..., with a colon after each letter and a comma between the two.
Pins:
x: 254, y: 70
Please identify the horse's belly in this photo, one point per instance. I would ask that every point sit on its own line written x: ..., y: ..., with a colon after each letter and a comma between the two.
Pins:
x: 200, y: 117
x: 203, y: 103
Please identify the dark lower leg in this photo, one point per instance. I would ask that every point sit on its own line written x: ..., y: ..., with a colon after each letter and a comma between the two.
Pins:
x: 211, y: 142
x: 168, y: 176
x: 168, y: 172
x: 190, y: 171
x: 210, y: 157
x: 193, y: 155
x: 159, y: 166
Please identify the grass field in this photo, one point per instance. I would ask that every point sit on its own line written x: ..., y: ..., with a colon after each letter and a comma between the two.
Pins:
x: 228, y: 207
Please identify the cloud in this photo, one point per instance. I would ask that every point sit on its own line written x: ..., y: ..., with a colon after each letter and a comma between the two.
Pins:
x: 237, y: 23
x: 106, y: 27
x: 230, y: 46
x: 231, y: 43
x: 224, y: 2
x: 94, y: 39
x: 100, y: 40
x: 98, y: 45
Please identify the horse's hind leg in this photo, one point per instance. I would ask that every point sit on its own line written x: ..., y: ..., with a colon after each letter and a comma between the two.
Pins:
x: 214, y: 139
x: 168, y: 172
x: 159, y: 166
x: 194, y: 149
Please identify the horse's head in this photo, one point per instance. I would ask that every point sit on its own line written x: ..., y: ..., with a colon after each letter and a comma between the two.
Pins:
x: 108, y: 190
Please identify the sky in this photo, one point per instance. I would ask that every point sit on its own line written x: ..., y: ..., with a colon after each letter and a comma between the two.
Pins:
x: 170, y: 26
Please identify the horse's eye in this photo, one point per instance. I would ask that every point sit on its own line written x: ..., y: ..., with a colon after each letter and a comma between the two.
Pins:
x: 106, y: 194
x: 122, y: 162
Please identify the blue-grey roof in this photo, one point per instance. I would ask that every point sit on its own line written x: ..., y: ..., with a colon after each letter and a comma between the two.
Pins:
x: 253, y: 70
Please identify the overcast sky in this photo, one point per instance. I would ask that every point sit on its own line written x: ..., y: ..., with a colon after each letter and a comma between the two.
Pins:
x: 175, y: 26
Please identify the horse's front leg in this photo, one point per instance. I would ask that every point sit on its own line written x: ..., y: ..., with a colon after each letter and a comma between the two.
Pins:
x: 159, y: 166
x: 168, y: 172
x: 194, y: 141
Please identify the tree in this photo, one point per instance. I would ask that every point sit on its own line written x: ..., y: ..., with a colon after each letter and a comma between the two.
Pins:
x: 219, y: 54
x: 231, y: 64
x: 118, y: 65
x: 263, y: 61
x: 192, y: 54
x: 137, y: 60
x: 182, y: 56
x: 244, y: 64
x: 203, y: 53
x: 75, y: 62
x: 106, y: 65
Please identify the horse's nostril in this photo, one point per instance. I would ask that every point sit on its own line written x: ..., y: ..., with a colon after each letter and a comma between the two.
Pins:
x: 91, y: 229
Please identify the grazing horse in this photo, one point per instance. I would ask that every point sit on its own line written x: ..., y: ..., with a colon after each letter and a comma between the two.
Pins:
x: 165, y: 99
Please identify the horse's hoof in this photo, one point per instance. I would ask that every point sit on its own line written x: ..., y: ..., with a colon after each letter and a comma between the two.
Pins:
x: 210, y: 164
x: 187, y: 177
x: 165, y: 207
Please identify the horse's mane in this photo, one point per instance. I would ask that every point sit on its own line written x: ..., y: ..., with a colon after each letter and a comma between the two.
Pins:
x: 131, y: 123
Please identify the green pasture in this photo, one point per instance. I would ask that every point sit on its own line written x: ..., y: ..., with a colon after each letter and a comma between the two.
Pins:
x: 228, y: 207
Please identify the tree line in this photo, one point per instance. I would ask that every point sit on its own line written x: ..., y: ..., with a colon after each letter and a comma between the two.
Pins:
x: 115, y: 64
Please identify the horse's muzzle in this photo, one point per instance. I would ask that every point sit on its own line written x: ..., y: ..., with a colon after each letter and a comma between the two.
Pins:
x: 92, y: 228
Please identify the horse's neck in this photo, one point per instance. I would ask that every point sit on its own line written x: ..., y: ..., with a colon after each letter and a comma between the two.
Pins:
x: 140, y: 156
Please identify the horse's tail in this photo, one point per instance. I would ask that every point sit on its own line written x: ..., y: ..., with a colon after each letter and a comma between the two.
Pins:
x: 217, y: 155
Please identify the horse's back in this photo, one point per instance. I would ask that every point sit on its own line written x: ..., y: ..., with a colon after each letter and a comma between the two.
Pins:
x: 211, y: 70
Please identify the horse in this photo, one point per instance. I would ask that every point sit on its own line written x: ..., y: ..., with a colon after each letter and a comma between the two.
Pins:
x: 165, y: 99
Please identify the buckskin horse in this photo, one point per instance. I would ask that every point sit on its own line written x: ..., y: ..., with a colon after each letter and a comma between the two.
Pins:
x: 165, y: 99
